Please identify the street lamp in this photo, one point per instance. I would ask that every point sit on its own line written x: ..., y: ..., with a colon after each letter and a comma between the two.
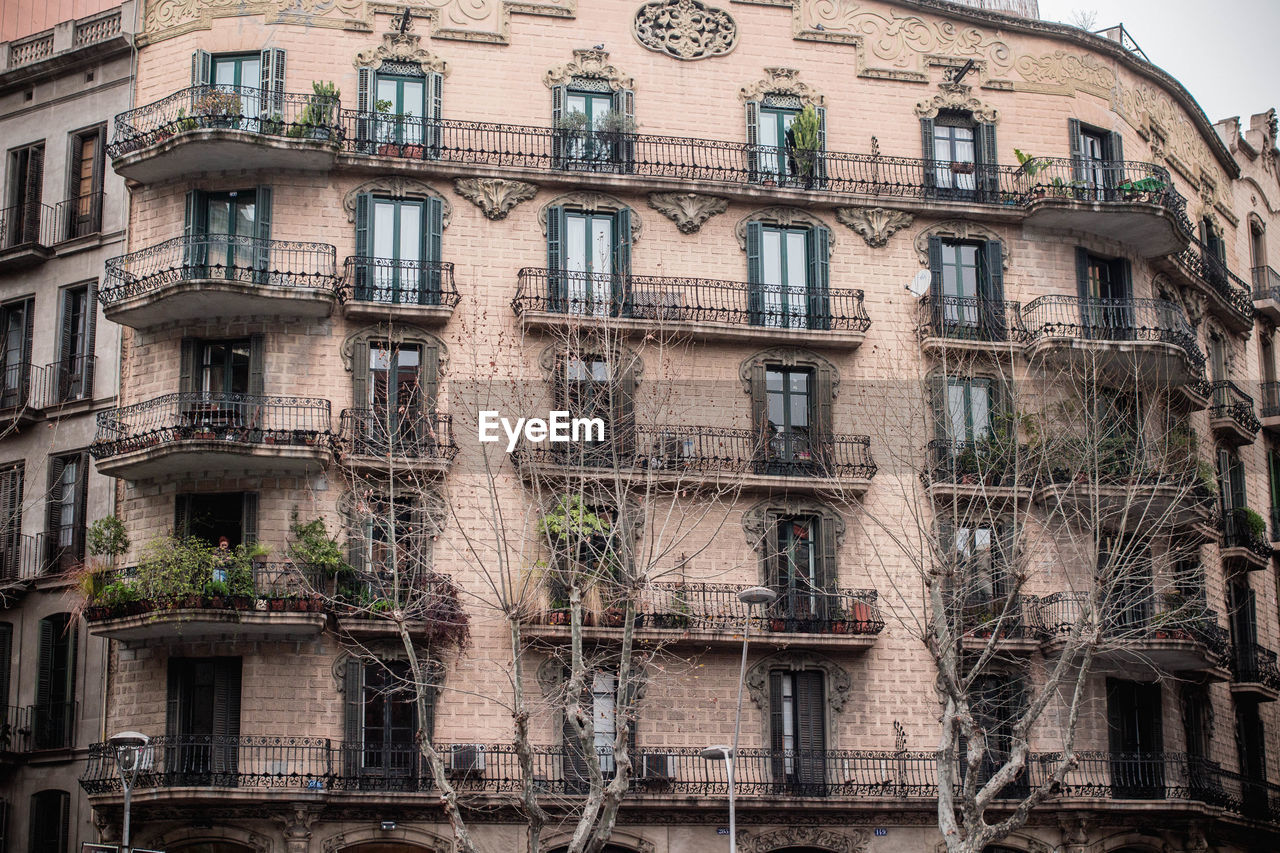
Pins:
x: 131, y: 751
x: 750, y: 596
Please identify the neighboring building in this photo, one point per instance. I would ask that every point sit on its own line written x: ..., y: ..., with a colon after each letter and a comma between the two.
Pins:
x: 62, y: 215
x: 289, y: 263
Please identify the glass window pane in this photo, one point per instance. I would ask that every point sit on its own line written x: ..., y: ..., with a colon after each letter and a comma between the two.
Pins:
x: 981, y: 410
x: 602, y: 245
x: 410, y: 231
x: 224, y: 72
x: 957, y: 412
x: 575, y: 248
x: 771, y: 256
x: 384, y: 229
x: 219, y: 219
x: 251, y: 73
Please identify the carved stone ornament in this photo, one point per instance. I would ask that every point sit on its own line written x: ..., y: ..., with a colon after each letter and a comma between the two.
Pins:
x: 784, y: 216
x: 590, y: 203
x: 621, y: 356
x: 401, y: 47
x: 811, y: 837
x: 188, y: 834
x: 495, y: 196
x: 839, y: 686
x: 404, y: 835
x: 958, y: 229
x: 688, y: 210
x: 592, y: 63
x: 875, y: 224
x: 685, y: 29
x: 397, y: 187
x: 397, y: 335
x: 788, y: 357
x: 780, y: 81
x: 756, y: 526
x: 958, y: 98
x: 1015, y: 840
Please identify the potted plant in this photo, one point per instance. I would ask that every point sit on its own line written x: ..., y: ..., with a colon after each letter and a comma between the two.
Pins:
x: 1254, y: 523
x: 316, y: 120
x: 961, y: 167
x: 273, y: 125
x: 1031, y: 166
x: 804, y: 143
x: 220, y: 107
x: 559, y: 613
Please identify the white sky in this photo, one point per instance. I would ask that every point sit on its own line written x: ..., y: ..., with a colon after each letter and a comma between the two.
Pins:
x: 1223, y: 51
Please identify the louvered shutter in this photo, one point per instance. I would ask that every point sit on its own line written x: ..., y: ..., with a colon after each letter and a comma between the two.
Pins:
x: 559, y: 135
x: 28, y: 338
x: 777, y: 730
x: 67, y: 339
x: 430, y: 291
x: 257, y: 372
x: 992, y: 285
x: 622, y: 415
x: 360, y: 375
x: 755, y: 273
x: 1115, y: 153
x: 575, y: 768
x: 32, y: 192
x: 226, y: 719
x: 556, y: 226
x: 1125, y: 312
x: 365, y: 113
x: 937, y: 290
x: 1077, y: 148
x: 249, y: 518
x: 988, y: 163
x: 182, y: 516
x: 759, y: 410
x: 173, y: 699
x: 828, y: 573
x: 187, y: 365
x: 353, y: 717
x: 753, y: 142
x: 930, y: 177
x: 820, y: 162
x: 81, y: 506
x: 44, y: 662
x: 624, y: 102
x: 89, y: 361
x: 823, y: 440
x: 811, y: 738
x: 819, y: 307
x: 365, y: 266
x: 620, y: 287
x: 195, y: 229
x: 1088, y: 310
x: 201, y: 68
x: 262, y: 234
x: 435, y: 114
x: 53, y: 514
x: 6, y: 662
x: 430, y: 380
x: 272, y: 71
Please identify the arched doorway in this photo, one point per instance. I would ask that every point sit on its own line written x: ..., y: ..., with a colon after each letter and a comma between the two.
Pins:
x: 210, y: 846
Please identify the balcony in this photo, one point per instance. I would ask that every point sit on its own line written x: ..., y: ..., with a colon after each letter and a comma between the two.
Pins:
x: 703, y: 309
x: 1120, y: 339
x: 1266, y: 293
x: 21, y: 394
x: 65, y: 383
x: 275, y: 605
x: 1010, y: 620
x: 1231, y: 414
x: 60, y: 550
x: 706, y: 614
x: 78, y: 217
x: 977, y: 471
x: 1128, y: 201
x: 384, y: 441
x: 682, y: 457
x: 382, y: 289
x: 1154, y: 636
x: 1244, y: 540
x: 1131, y: 490
x: 954, y: 325
x: 20, y: 561
x: 220, y: 128
x: 1230, y: 298
x: 1269, y: 406
x: 210, y: 276
x: 199, y: 431
x: 1254, y: 672
x: 26, y: 236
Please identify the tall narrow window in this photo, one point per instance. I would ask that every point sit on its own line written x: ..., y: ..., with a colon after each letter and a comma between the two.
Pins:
x: 1251, y: 743
x: 1097, y: 160
x: 967, y: 289
x: 798, y: 731
x: 588, y: 261
x: 602, y: 699
x: 398, y: 249
x: 235, y: 93
x: 75, y: 345
x: 788, y: 276
x: 1135, y: 725
x: 26, y: 193
x: 228, y: 234
x: 395, y: 401
x: 592, y: 123
x: 65, y: 511
x: 84, y: 192
x: 50, y: 826
x: 996, y: 702
x: 954, y: 153
x: 11, y: 551
x: 203, y: 720
x: 982, y: 588
x: 16, y: 326
x: 54, y: 713
x: 209, y: 516
x: 799, y: 576
x: 1106, y: 296
x: 390, y: 720
x: 789, y: 392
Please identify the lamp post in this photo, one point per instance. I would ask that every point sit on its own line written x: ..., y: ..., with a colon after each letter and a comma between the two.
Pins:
x: 751, y: 596
x: 130, y: 748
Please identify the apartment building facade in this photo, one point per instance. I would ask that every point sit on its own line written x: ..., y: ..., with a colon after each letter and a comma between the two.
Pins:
x: 64, y: 214
x: 348, y: 227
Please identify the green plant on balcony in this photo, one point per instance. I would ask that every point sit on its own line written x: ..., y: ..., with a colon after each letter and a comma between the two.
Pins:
x: 107, y: 538
x: 185, y: 122
x: 1254, y: 523
x: 221, y: 107
x: 806, y: 141
x: 1031, y: 166
x: 1206, y: 477
x: 1131, y: 189
x: 316, y: 119
x: 574, y: 122
x: 314, y: 547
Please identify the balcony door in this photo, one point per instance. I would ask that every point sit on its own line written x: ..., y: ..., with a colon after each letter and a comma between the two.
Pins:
x: 399, y: 237
x: 789, y: 404
x: 1129, y: 607
x: 395, y: 401
x: 784, y: 287
x: 203, y: 722
x: 588, y: 260
x: 26, y: 191
x: 228, y: 234
x: 797, y: 727
x: 1096, y: 157
x: 1244, y: 627
x: 75, y: 346
x: 232, y: 227
x: 1106, y: 295
x: 400, y: 106
x: 239, y: 75
x: 587, y: 113
x: 602, y: 698
x: 775, y: 125
x: 16, y: 325
x: 996, y: 703
x: 390, y: 723
x: 797, y: 574
x: 1251, y: 743
x: 954, y: 155
x: 1135, y: 726
x: 54, y: 712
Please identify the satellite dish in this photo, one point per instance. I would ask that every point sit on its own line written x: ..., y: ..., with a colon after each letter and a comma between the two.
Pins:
x: 919, y: 285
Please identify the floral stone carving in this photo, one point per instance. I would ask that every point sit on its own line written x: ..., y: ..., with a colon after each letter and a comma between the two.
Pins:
x: 688, y: 210
x: 875, y: 224
x: 495, y: 196
x: 685, y: 29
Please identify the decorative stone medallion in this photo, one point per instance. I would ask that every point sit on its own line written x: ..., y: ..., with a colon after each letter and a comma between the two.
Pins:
x: 685, y: 29
x: 688, y: 210
x: 495, y: 196
x: 875, y: 224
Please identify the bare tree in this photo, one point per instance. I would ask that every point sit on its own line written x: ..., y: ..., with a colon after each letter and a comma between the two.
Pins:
x: 1085, y: 19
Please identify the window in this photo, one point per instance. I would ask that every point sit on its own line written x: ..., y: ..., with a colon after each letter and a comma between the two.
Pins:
x: 791, y: 411
x: 588, y: 260
x: 26, y: 192
x: 224, y: 367
x: 1136, y: 739
x: 16, y: 325
x: 1197, y: 731
x: 967, y: 289
x: 982, y: 586
x: 83, y: 212
x: 75, y: 346
x: 247, y: 87
x: 789, y: 392
x: 1127, y: 565
x: 400, y: 108
x: 1251, y: 743
x: 603, y: 699
x: 1257, y: 250
x: 390, y: 544
x: 50, y: 825
x: 797, y: 711
x: 394, y: 388
x: 1106, y: 296
x: 598, y: 385
x: 229, y: 234
x: 787, y: 271
x: 1231, y: 485
x: 1215, y: 247
x: 214, y: 371
x: 1097, y: 159
x: 11, y: 550
x: 381, y: 722
x: 966, y: 412
x: 65, y: 511
x: 398, y: 249
x: 54, y: 714
x: 960, y: 156
x: 203, y: 721
x: 800, y: 575
x: 209, y: 516
x: 1273, y: 482
x: 771, y: 147
x: 592, y: 123
x: 996, y: 701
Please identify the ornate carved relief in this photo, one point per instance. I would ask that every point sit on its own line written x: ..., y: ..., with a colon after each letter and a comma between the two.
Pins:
x: 814, y: 837
x: 398, y: 334
x: 788, y: 357
x: 784, y: 216
x: 839, y: 686
x: 688, y: 210
x: 401, y: 47
x: 1018, y: 840
x: 780, y: 81
x: 495, y: 196
x: 755, y: 520
x: 593, y: 63
x: 1068, y: 72
x: 422, y: 841
x: 591, y: 203
x: 184, y: 835
x: 957, y: 98
x: 875, y: 224
x: 685, y: 29
x: 397, y: 187
x: 958, y: 229
x: 623, y: 356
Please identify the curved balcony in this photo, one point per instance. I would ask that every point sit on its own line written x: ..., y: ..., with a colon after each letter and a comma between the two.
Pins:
x: 956, y: 324
x: 978, y: 471
x: 1266, y: 293
x: 222, y: 127
x: 1231, y: 414
x: 1229, y: 297
x: 215, y: 275
x: 691, y: 457
x: 384, y: 289
x: 1129, y: 201
x: 202, y: 431
x: 1244, y: 542
x: 1254, y: 672
x: 705, y: 309
x: 1120, y: 339
x: 384, y: 441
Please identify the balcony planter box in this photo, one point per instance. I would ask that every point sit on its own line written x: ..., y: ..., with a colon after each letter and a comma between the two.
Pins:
x: 961, y: 168
x: 277, y: 605
x: 670, y: 620
x: 779, y: 625
x: 559, y: 616
x: 840, y: 626
x: 860, y: 615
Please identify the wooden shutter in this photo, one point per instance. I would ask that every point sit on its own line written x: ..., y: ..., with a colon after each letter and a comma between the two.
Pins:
x: 44, y: 663
x: 811, y: 737
x: 365, y: 268
x: 1077, y: 148
x: 249, y: 518
x: 759, y: 407
x: 988, y: 162
x: 201, y: 68
x: 66, y: 339
x: 6, y: 662
x: 620, y: 286
x: 828, y: 573
x: 559, y: 96
x: 575, y: 769
x: 431, y: 251
x: 820, y: 163
x: 195, y: 227
x: 755, y: 273
x: 364, y: 110
x: 823, y: 402
x: 226, y: 719
x: 50, y: 822
x: 81, y: 506
x: 817, y: 239
x: 927, y: 153
x: 257, y: 366
x: 434, y: 113
x: 430, y: 379
x: 53, y: 510
x: 935, y: 269
x: 556, y: 226
x: 1082, y: 272
x: 1115, y: 151
x: 622, y: 418
x: 777, y: 731
x: 262, y: 231
x: 624, y: 103
x: 88, y: 363
x: 753, y: 141
x: 28, y: 338
x: 187, y: 364
x: 182, y: 516
x: 272, y: 70
x: 173, y: 698
x: 353, y: 716
x: 992, y: 284
x: 360, y: 374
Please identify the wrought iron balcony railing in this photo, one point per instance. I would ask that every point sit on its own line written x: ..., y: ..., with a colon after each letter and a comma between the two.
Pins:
x: 19, y: 557
x: 61, y: 549
x: 985, y: 462
x: 200, y: 415
x: 15, y: 728
x: 1012, y: 617
x: 1269, y: 402
x: 53, y: 725
x: 1106, y: 181
x: 1238, y: 531
x: 1144, y: 619
x: 412, y: 434
x: 971, y: 318
x: 79, y: 216
x: 288, y: 582
x: 1203, y: 263
x: 26, y: 224
x: 1138, y: 319
x: 67, y: 381
x: 1255, y: 664
x: 665, y: 299
x: 20, y: 387
x: 386, y: 281
x: 696, y: 451
x: 219, y: 106
x: 245, y: 260
x: 1266, y: 283
x: 1233, y: 404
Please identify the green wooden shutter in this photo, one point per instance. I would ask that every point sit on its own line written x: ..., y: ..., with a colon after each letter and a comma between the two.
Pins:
x: 820, y: 163
x: 365, y: 268
x: 430, y: 379
x: 226, y: 717
x: 201, y: 68
x: 823, y: 402
x: 434, y: 113
x: 360, y: 375
x: 262, y: 232
x: 755, y: 273
x: 182, y: 516
x: 1077, y: 148
x: 1115, y: 153
x: 353, y: 716
x: 818, y: 240
x: 90, y: 340
x: 556, y: 227
x: 759, y: 409
x: 272, y: 73
x: 777, y: 728
x: 11, y: 521
x: 620, y: 287
x: 257, y: 367
x: 811, y: 736
x: 624, y: 102
x: 623, y: 416
x: 249, y: 518
x: 559, y: 96
x: 195, y: 228
x: 988, y: 162
x: 365, y: 115
x: 828, y: 556
x: 431, y: 252
x: 753, y: 141
x: 930, y: 178
x: 1082, y: 283
x: 991, y: 285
